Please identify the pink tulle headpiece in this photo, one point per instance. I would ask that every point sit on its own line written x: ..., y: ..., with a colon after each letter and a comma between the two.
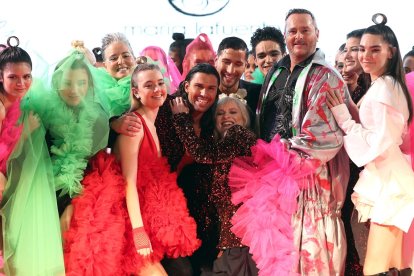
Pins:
x: 201, y: 42
x: 167, y: 65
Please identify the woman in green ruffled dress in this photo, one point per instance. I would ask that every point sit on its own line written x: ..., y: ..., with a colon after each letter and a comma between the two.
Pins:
x: 76, y: 123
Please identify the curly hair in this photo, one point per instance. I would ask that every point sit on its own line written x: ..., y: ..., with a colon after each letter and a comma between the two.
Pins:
x: 268, y: 33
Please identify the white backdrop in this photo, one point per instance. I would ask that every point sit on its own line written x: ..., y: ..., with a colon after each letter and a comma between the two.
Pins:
x: 47, y: 27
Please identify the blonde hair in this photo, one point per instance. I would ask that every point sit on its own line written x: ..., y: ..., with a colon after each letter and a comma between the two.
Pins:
x: 242, y: 107
x: 80, y: 46
x: 135, y: 102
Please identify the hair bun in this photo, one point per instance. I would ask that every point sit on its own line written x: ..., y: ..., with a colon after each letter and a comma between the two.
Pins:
x: 16, y: 40
x: 178, y: 36
x: 379, y: 19
x: 97, y: 51
x: 141, y: 60
x: 78, y: 44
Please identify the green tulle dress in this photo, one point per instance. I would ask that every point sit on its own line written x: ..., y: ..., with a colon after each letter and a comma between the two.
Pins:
x: 76, y: 132
x: 31, y: 230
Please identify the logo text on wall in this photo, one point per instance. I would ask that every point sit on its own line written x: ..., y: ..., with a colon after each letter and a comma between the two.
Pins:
x: 198, y: 7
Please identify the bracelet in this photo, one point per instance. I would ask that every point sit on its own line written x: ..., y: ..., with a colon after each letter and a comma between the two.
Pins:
x: 141, y: 239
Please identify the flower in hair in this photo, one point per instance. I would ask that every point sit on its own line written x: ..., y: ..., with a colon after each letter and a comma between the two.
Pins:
x: 240, y: 95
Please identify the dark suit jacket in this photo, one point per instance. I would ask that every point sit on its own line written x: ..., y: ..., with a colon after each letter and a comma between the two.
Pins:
x: 253, y: 92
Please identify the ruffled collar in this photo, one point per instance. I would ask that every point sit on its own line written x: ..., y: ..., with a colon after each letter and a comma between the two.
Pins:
x: 72, y: 136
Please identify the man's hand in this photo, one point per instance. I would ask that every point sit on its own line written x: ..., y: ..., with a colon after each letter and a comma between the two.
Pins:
x: 128, y: 124
x: 178, y: 106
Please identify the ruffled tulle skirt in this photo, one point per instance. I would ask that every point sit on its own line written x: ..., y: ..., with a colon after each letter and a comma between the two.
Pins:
x: 31, y: 231
x: 384, y: 192
x: 94, y: 243
x: 172, y: 231
x: 100, y: 242
x: 267, y: 184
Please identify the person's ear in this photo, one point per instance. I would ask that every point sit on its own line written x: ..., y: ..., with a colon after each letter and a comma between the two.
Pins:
x: 392, y: 52
x: 135, y: 92
x: 186, y: 85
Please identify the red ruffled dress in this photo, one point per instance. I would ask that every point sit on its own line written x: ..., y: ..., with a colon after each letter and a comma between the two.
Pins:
x: 100, y: 242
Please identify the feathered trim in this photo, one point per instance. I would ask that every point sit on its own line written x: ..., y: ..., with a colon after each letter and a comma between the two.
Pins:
x: 267, y: 184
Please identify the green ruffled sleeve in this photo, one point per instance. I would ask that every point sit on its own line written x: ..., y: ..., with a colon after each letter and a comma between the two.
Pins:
x: 114, y: 95
x: 75, y: 133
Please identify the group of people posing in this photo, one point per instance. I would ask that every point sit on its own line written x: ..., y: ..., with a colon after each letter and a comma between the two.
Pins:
x: 192, y: 163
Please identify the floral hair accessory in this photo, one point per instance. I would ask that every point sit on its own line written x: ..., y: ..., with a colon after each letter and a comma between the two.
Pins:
x: 240, y: 95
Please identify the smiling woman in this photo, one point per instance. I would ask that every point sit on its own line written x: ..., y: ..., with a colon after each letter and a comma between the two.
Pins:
x: 384, y: 193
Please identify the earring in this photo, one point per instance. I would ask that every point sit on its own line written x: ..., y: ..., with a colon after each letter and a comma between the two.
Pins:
x: 136, y: 96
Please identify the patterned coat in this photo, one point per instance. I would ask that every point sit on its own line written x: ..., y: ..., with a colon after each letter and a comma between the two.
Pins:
x: 318, y: 228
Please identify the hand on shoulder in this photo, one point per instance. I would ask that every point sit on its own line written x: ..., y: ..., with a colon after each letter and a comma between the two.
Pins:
x: 128, y: 124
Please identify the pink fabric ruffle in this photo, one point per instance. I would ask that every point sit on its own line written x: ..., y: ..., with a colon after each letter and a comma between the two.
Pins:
x: 409, y: 78
x: 10, y: 134
x: 166, y: 64
x: 1, y: 262
x: 267, y: 184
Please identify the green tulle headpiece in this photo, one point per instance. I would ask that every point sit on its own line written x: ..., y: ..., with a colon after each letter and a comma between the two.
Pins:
x: 74, y: 118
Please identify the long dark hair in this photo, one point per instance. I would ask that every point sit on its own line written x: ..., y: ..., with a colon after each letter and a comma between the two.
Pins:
x: 12, y: 54
x: 395, y: 67
x: 207, y: 120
